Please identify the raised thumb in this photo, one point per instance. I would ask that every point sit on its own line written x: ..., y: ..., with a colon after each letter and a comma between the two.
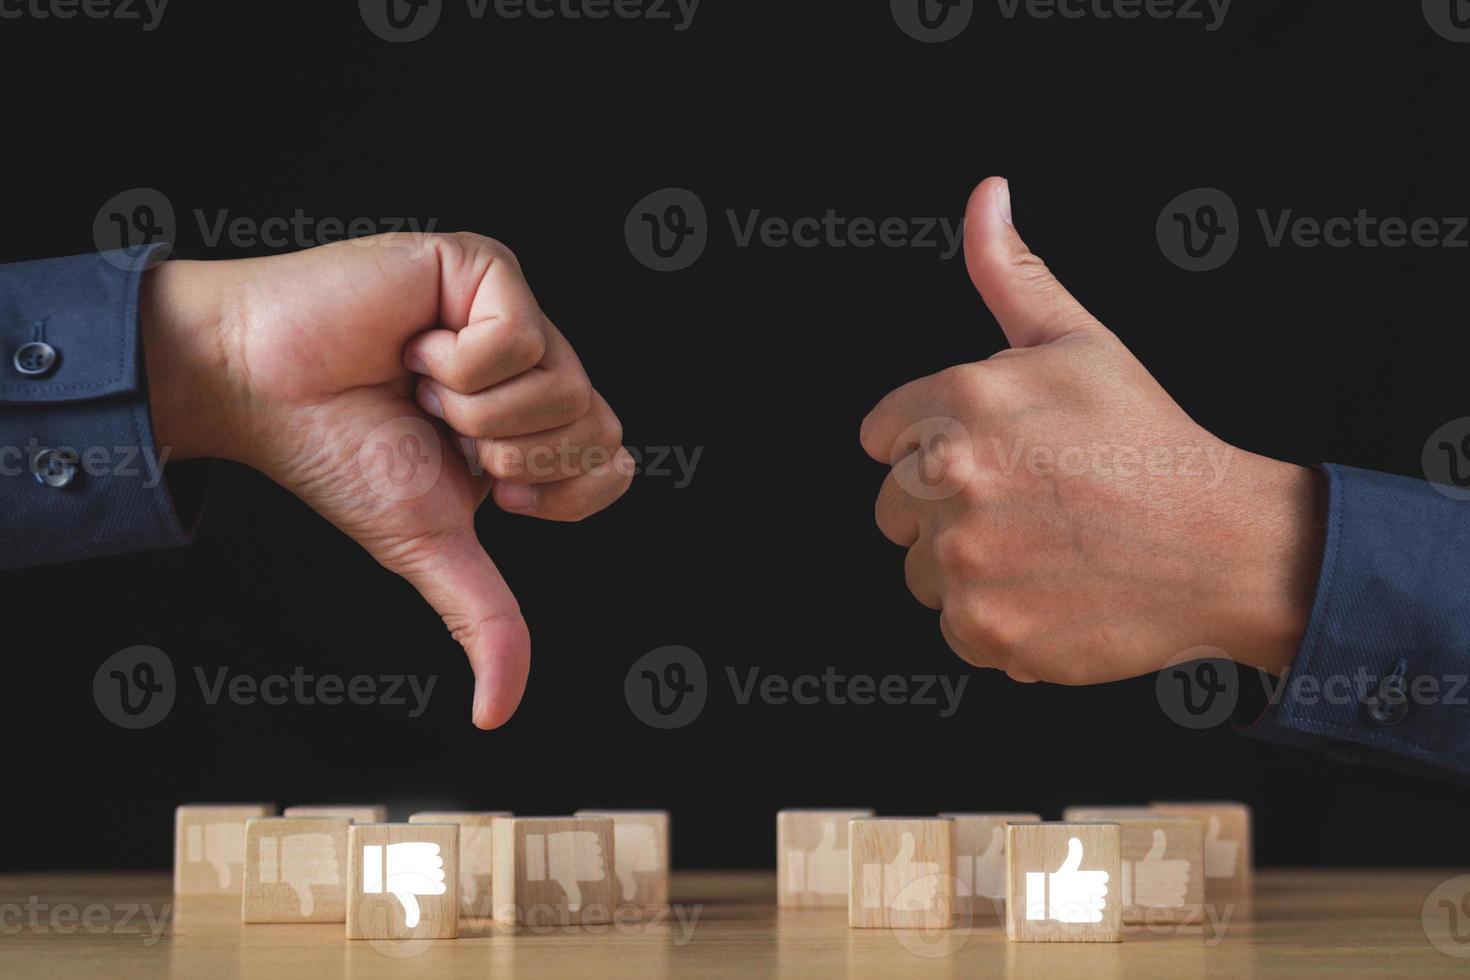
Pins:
x: 1032, y: 307
x: 463, y: 585
x: 1074, y: 857
x: 1160, y: 842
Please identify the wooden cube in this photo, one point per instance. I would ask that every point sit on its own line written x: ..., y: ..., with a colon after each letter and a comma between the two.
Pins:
x: 403, y: 881
x: 1094, y: 814
x: 980, y: 861
x: 476, y: 856
x: 209, y: 846
x: 641, y: 846
x: 900, y: 873
x: 1062, y: 882
x: 554, y: 870
x: 811, y: 857
x: 360, y: 813
x: 1227, y: 845
x: 1163, y: 870
x: 295, y: 869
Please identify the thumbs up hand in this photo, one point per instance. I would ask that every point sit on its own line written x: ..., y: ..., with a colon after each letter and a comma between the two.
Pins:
x: 1069, y: 521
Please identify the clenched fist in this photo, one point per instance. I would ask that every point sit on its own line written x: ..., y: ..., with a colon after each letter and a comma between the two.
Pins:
x: 330, y: 371
x: 1071, y: 523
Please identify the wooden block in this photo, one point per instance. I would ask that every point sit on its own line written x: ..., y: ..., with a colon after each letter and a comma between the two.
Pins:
x: 1227, y: 844
x: 641, y: 846
x: 811, y: 857
x: 1163, y: 870
x: 209, y: 846
x: 362, y: 813
x: 554, y: 870
x: 403, y: 881
x: 900, y: 873
x: 1094, y: 814
x: 295, y: 869
x: 476, y: 856
x: 980, y: 861
x: 1062, y: 882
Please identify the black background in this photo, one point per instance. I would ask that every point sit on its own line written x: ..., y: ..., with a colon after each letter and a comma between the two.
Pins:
x: 544, y: 134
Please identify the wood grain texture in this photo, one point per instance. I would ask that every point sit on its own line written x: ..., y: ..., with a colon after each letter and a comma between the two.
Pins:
x: 1310, y: 924
x: 387, y: 886
x: 209, y: 846
x: 1227, y: 845
x: 641, y: 846
x: 900, y: 873
x: 554, y: 870
x: 295, y: 869
x: 811, y: 857
x: 357, y: 813
x: 1042, y: 891
x: 476, y: 855
x: 979, y: 860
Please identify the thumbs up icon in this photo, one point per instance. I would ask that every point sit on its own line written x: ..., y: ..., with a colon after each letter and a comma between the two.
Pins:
x: 406, y: 871
x: 567, y: 857
x: 1068, y: 894
x: 904, y: 885
x: 1220, y: 855
x: 822, y: 870
x: 1155, y: 882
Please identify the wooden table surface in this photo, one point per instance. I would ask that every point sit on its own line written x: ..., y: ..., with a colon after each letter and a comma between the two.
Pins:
x: 1299, y: 923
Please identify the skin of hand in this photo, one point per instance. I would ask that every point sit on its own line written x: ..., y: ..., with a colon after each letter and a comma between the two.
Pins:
x: 1066, y: 517
x: 298, y: 364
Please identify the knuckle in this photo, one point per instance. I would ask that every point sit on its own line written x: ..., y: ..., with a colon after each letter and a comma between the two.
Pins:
x: 573, y: 398
x: 502, y: 460
x: 953, y: 551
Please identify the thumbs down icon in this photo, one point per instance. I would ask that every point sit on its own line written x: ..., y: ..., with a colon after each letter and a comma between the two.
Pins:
x: 568, y: 858
x: 299, y: 861
x: 406, y: 871
x: 220, y: 844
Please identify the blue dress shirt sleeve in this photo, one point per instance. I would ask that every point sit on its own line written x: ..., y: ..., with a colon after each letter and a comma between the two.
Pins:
x: 80, y: 473
x: 1383, y: 673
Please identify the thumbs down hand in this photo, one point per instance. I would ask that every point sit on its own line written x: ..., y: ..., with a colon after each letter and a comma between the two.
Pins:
x: 405, y: 871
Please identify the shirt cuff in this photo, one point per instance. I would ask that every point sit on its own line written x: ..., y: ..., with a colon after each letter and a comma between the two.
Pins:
x: 80, y: 473
x: 1383, y: 673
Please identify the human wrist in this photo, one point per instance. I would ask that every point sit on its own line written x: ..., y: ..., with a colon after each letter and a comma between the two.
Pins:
x: 1277, y: 571
x: 187, y: 360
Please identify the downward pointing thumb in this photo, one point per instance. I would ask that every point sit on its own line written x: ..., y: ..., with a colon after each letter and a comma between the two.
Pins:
x: 1025, y: 298
x: 463, y: 585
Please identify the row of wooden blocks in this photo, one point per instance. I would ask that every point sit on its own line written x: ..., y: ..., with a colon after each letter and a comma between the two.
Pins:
x: 415, y: 880
x: 1080, y: 879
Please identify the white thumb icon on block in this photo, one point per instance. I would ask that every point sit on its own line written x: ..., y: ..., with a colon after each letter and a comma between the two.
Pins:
x: 1220, y: 855
x: 1068, y: 894
x: 567, y: 857
x: 1155, y: 882
x: 404, y: 870
x: 299, y: 861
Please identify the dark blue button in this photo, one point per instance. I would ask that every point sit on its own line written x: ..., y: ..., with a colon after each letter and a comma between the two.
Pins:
x: 35, y: 359
x: 54, y: 467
